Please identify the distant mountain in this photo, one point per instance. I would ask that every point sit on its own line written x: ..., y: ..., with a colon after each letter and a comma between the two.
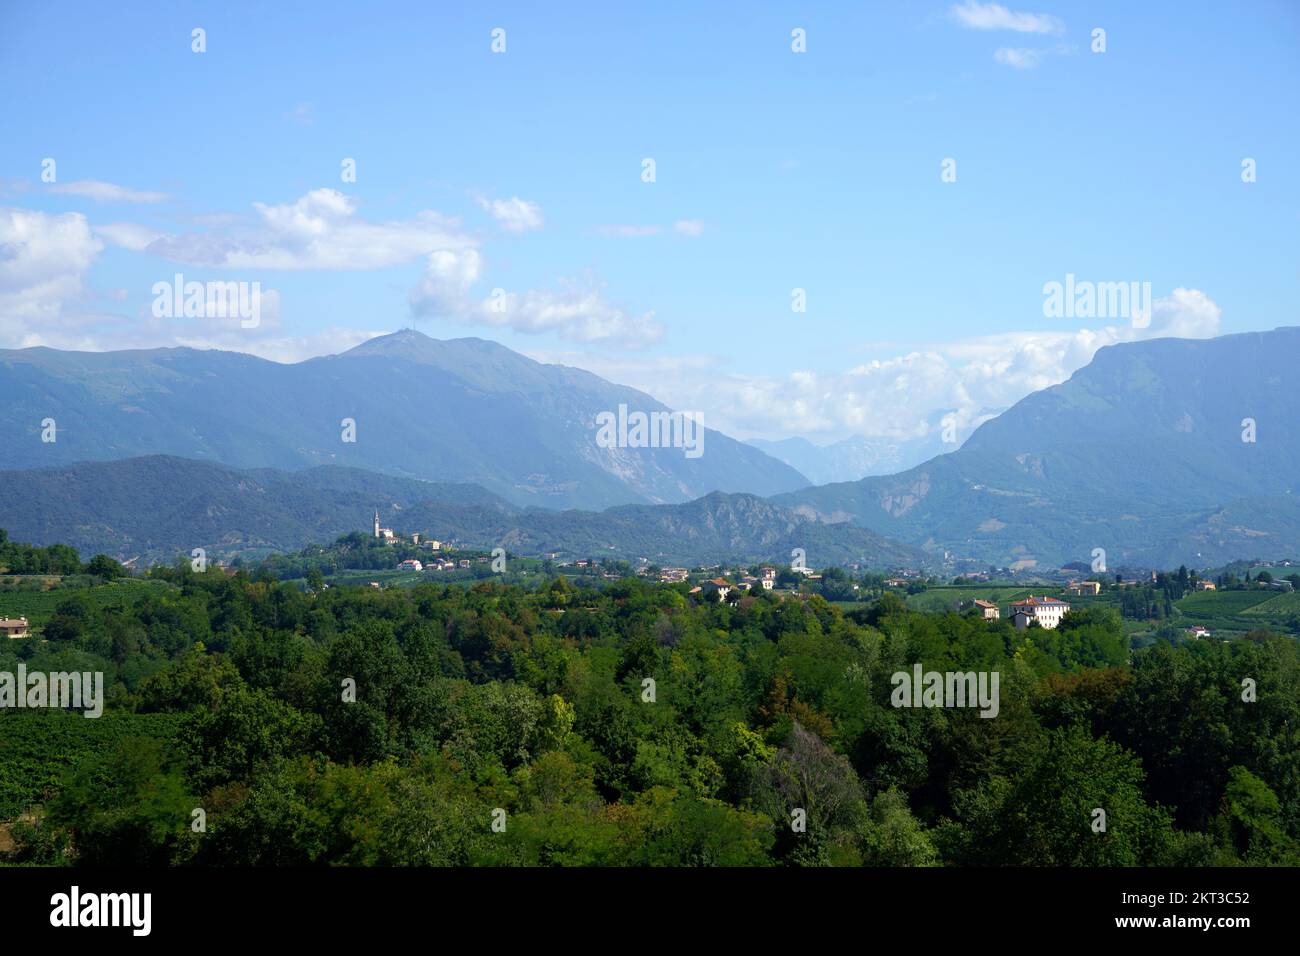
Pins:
x: 854, y: 457
x: 159, y: 507
x: 463, y: 410
x: 1140, y: 453
x: 713, y: 529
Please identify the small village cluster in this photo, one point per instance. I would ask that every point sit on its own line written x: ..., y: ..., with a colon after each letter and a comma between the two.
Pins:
x: 436, y: 563
x: 714, y: 583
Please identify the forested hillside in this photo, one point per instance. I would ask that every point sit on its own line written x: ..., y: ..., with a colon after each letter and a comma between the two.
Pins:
x: 633, y: 725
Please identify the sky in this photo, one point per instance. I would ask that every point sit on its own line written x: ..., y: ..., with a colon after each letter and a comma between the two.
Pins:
x: 913, y: 174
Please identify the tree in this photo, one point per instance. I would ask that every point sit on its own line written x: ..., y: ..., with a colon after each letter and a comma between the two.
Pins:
x: 1250, y: 822
x: 125, y: 807
x: 892, y: 836
x: 102, y: 566
x: 315, y: 578
x: 806, y: 775
x: 1052, y: 813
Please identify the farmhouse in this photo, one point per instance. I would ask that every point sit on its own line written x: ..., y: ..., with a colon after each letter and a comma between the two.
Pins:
x: 410, y: 564
x: 987, y: 609
x: 1204, y: 585
x: 721, y: 585
x: 13, y: 627
x: 1083, y: 587
x: 1045, y: 610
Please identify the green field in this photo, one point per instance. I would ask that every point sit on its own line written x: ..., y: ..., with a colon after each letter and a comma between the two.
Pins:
x: 1229, y: 613
x: 388, y: 579
x: 39, y: 606
x: 1280, y: 605
x: 38, y: 747
x: 1221, y: 603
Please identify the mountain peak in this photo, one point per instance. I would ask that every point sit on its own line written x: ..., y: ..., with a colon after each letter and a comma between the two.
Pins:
x: 415, y: 345
x: 387, y: 344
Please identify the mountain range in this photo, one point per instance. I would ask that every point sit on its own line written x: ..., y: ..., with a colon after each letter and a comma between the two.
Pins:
x: 861, y: 456
x: 460, y: 410
x: 158, y: 507
x: 1157, y: 453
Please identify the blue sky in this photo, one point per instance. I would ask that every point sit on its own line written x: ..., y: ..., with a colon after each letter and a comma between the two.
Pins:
x: 775, y: 170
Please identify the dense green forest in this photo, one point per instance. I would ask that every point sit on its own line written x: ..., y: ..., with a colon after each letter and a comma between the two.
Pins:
x: 629, y: 723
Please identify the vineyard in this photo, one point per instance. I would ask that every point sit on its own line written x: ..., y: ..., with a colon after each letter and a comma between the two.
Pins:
x: 38, y: 606
x: 37, y: 748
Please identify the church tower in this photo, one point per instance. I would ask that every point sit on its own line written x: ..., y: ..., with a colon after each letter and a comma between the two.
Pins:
x: 376, y: 522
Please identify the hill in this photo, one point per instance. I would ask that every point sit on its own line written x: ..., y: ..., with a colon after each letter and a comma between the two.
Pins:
x: 1140, y: 453
x: 159, y: 507
x: 461, y: 410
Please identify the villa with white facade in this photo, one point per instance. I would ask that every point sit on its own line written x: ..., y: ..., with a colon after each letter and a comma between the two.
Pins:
x: 1045, y: 610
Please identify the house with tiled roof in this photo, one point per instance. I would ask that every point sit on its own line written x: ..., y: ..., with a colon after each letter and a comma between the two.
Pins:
x: 14, y: 627
x: 1084, y: 587
x: 988, y: 609
x: 1046, y: 611
x: 721, y: 585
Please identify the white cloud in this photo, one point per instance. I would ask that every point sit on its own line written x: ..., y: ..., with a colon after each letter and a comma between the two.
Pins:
x: 994, y: 16
x: 107, y: 192
x: 514, y: 214
x: 577, y: 310
x: 900, y: 397
x: 1185, y: 313
x: 689, y: 227
x: 318, y: 231
x: 322, y: 231
x: 445, y: 288
x: 1019, y: 57
x: 43, y: 262
x: 128, y: 235
x: 269, y: 340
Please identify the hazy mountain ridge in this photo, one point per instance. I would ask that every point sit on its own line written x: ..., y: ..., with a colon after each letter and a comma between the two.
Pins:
x: 1139, y: 453
x: 464, y: 410
x: 159, y: 507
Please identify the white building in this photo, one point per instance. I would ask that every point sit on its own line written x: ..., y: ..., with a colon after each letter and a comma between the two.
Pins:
x: 14, y: 626
x: 721, y: 585
x: 1045, y: 610
x: 384, y: 534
